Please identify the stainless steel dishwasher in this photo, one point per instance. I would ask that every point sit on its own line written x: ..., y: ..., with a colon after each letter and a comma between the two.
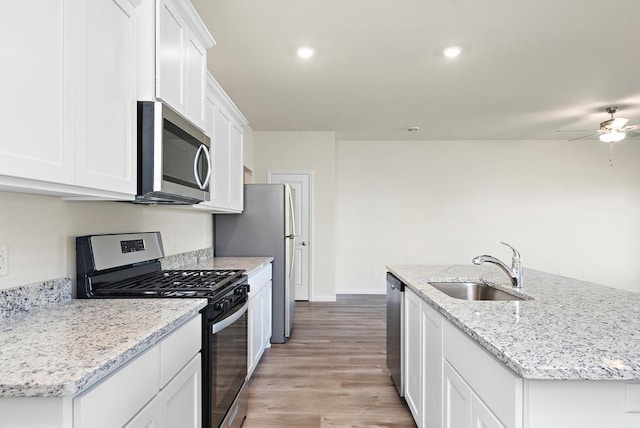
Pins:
x: 395, y: 330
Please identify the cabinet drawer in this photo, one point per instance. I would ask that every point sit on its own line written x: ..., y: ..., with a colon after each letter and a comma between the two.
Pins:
x: 115, y: 400
x: 258, y: 281
x: 177, y: 349
x: 500, y: 388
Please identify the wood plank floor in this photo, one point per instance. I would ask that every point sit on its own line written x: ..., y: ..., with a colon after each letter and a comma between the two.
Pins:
x: 331, y: 373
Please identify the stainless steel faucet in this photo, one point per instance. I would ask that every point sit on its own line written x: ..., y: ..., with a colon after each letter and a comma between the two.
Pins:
x: 515, y: 273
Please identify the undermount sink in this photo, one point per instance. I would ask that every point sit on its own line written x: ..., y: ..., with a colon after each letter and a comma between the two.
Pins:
x: 472, y: 291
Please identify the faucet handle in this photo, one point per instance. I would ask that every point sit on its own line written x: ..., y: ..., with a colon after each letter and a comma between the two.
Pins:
x: 515, y: 260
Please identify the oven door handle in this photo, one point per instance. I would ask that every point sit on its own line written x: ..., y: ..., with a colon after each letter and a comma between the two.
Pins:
x: 221, y: 325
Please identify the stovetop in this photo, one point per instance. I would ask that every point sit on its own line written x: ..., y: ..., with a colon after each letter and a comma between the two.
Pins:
x: 170, y: 283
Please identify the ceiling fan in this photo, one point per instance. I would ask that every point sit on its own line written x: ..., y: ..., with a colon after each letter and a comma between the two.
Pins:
x: 613, y: 129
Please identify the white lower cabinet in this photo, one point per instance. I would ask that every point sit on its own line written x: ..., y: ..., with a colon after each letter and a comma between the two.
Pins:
x: 259, y: 314
x: 160, y: 388
x: 453, y: 382
x: 413, y: 355
x: 449, y: 380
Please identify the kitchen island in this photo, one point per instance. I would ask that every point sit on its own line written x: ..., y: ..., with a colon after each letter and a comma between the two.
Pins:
x: 568, y: 355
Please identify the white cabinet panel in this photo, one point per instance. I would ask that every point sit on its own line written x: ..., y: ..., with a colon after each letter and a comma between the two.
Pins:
x: 259, y: 317
x: 457, y: 400
x: 115, y: 400
x: 431, y: 367
x: 106, y: 96
x: 195, y: 83
x: 413, y: 355
x: 170, y: 51
x: 181, y: 59
x: 180, y: 399
x: 37, y: 138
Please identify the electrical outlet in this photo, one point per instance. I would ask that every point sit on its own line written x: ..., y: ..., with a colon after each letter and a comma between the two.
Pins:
x: 4, y: 259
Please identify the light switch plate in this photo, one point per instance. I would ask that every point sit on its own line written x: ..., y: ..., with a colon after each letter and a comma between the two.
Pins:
x: 4, y: 259
x: 633, y: 397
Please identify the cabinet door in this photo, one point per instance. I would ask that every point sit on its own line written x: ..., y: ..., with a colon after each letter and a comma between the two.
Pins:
x: 457, y: 400
x: 236, y: 169
x: 254, y: 332
x: 106, y: 96
x: 481, y: 416
x: 221, y: 189
x: 413, y: 355
x: 195, y: 84
x: 431, y: 367
x: 170, y: 55
x: 37, y: 138
x: 181, y: 398
x: 266, y: 316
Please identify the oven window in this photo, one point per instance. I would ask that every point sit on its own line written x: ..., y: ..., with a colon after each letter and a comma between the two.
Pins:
x: 178, y: 152
x: 229, y: 367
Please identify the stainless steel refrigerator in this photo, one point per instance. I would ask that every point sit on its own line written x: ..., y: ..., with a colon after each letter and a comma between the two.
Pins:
x: 265, y: 228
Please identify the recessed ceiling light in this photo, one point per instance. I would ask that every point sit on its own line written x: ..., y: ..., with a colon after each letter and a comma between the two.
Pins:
x: 305, y: 52
x: 452, y: 51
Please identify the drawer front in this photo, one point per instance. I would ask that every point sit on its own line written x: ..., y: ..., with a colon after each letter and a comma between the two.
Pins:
x: 115, y: 400
x: 500, y: 388
x: 258, y: 281
x: 177, y: 349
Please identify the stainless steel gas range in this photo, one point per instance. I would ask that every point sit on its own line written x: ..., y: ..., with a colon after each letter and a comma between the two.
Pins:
x: 128, y: 266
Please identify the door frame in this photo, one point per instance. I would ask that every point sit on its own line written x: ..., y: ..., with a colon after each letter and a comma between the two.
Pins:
x: 309, y: 174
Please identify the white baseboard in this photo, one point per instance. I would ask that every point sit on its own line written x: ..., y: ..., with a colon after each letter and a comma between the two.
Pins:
x: 361, y: 291
x: 331, y: 298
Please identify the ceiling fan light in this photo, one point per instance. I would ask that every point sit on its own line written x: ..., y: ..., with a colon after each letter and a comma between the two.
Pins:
x: 612, y: 137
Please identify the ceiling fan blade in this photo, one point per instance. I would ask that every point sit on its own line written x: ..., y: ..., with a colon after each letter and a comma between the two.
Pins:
x: 630, y: 128
x: 584, y: 136
x: 573, y: 130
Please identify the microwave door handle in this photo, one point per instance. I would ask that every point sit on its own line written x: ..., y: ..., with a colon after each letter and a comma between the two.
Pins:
x: 202, y: 149
x: 208, y: 156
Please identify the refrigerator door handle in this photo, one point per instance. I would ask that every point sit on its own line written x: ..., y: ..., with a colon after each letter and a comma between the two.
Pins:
x: 292, y: 236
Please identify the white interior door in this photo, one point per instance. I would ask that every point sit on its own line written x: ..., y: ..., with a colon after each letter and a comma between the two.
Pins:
x: 300, y: 182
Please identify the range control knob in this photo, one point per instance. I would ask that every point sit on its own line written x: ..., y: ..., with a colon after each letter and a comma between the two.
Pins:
x: 223, y: 305
x: 240, y: 291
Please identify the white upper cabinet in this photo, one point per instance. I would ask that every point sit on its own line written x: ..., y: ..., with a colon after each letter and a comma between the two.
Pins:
x: 70, y: 98
x: 225, y: 125
x: 181, y: 43
x: 37, y: 132
x: 106, y: 96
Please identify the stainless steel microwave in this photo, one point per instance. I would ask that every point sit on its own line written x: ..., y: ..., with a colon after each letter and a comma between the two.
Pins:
x: 174, y: 165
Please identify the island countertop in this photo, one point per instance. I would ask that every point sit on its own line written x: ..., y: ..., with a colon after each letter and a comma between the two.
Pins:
x: 567, y: 330
x: 60, y: 350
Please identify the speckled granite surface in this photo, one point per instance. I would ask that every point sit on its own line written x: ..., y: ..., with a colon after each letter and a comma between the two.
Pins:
x: 14, y: 301
x: 250, y: 265
x: 177, y: 261
x: 570, y: 330
x: 61, y: 349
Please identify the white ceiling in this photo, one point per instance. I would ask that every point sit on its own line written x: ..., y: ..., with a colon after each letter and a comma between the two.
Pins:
x: 529, y: 67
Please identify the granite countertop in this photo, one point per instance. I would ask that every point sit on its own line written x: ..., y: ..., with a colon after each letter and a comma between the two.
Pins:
x: 250, y: 265
x: 569, y: 330
x: 59, y: 350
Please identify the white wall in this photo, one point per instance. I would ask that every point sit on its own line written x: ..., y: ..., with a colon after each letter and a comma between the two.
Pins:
x: 41, y: 231
x: 558, y: 202
x: 313, y: 151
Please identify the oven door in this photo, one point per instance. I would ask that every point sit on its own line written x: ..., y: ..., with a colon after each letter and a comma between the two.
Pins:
x: 226, y: 365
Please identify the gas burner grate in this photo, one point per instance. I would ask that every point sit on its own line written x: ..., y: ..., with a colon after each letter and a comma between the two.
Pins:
x: 171, y: 283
